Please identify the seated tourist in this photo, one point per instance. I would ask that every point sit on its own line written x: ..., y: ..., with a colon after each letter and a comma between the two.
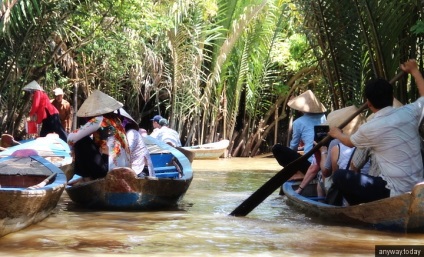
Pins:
x: 101, y: 143
x: 141, y: 162
x: 156, y: 125
x: 303, y: 130
x: 168, y: 135
x: 324, y: 161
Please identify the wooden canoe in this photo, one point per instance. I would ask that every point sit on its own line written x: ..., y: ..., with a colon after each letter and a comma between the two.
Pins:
x: 51, y: 148
x: 20, y: 206
x: 209, y: 151
x: 403, y: 213
x: 121, y: 189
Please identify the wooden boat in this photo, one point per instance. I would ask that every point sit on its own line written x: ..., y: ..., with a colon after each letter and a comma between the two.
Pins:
x: 209, y: 151
x: 21, y: 206
x: 122, y: 189
x: 51, y: 148
x: 400, y: 213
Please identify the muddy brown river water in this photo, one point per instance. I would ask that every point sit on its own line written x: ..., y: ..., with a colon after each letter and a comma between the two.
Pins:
x: 200, y: 226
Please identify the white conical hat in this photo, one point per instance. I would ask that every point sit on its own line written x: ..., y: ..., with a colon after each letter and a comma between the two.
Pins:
x: 396, y: 103
x: 337, y: 117
x: 98, y: 103
x: 125, y: 114
x: 32, y: 86
x: 307, y: 102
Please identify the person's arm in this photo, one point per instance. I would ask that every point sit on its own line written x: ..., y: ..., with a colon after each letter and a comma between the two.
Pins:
x: 359, y: 158
x: 335, y: 151
x: 294, y: 142
x: 324, y: 152
x: 68, y: 118
x: 36, y: 97
x: 132, y: 140
x: 325, y: 163
x: 87, y: 129
x: 411, y: 67
x: 335, y: 132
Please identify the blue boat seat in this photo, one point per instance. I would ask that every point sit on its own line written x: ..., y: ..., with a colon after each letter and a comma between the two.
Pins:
x: 166, y: 172
x: 161, y: 165
x: 164, y: 169
x: 174, y: 174
x: 161, y: 159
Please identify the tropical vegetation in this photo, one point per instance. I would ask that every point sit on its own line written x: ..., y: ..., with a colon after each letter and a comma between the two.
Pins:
x: 215, y: 68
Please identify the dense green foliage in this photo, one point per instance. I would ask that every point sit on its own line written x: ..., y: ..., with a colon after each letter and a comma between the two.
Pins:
x: 215, y: 68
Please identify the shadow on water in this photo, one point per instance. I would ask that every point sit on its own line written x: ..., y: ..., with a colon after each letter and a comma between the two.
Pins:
x: 200, y: 225
x: 73, y: 207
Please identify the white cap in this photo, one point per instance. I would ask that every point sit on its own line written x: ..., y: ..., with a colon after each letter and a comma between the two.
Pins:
x: 58, y: 91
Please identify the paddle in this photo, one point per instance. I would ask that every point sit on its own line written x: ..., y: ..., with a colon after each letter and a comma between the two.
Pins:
x: 287, y: 172
x: 44, y: 182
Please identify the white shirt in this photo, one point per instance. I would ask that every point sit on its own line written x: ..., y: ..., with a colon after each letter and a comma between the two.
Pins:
x: 169, y: 136
x: 345, y: 153
x: 392, y: 135
x: 140, y: 155
x: 155, y: 133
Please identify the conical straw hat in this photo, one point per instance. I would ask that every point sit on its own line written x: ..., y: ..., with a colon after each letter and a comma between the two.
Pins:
x: 396, y: 103
x: 98, y: 103
x: 32, y: 86
x: 337, y: 117
x: 125, y: 114
x: 307, y: 102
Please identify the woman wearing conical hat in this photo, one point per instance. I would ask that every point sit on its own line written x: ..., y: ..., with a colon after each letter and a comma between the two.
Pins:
x: 303, y: 129
x: 43, y: 112
x: 326, y: 158
x: 101, y: 144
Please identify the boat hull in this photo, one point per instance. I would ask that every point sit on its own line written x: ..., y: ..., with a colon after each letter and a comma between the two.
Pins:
x: 121, y: 189
x: 51, y: 148
x: 401, y: 213
x: 209, y: 151
x: 21, y: 207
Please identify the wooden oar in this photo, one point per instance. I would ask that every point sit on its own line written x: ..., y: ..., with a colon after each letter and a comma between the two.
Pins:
x: 44, y: 182
x: 287, y: 172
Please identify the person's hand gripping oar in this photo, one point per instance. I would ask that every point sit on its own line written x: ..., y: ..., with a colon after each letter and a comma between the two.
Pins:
x: 287, y: 172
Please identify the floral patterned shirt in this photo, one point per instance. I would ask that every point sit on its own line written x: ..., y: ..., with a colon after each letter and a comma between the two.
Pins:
x: 116, y: 145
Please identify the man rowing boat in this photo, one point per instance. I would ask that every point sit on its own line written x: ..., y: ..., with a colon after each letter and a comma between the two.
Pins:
x: 392, y: 135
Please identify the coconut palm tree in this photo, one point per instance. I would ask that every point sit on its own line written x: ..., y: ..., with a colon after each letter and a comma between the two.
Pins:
x: 368, y: 40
